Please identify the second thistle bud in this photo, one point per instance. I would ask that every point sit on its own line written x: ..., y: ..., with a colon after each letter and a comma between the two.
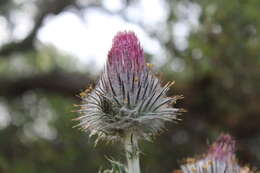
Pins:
x: 220, y: 159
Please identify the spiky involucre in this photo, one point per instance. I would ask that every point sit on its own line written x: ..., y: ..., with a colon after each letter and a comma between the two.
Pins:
x: 220, y: 159
x: 128, y: 98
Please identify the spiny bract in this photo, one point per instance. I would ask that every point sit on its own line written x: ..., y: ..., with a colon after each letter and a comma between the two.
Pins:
x: 128, y: 97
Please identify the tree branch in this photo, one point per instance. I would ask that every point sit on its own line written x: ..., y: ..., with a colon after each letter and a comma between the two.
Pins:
x: 68, y: 84
x: 46, y: 8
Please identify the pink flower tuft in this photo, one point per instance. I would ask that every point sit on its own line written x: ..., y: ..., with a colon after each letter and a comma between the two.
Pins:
x: 126, y: 52
x: 223, y: 148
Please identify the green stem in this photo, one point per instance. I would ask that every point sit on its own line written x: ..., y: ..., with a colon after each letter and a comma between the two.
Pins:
x: 132, y: 153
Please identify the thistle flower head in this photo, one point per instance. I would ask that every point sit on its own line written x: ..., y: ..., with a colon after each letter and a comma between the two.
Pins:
x: 128, y: 97
x: 220, y: 158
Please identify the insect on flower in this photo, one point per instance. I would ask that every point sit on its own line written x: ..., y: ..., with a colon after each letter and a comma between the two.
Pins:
x: 128, y: 97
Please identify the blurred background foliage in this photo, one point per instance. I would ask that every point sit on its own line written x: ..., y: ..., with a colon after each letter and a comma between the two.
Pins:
x: 210, y: 48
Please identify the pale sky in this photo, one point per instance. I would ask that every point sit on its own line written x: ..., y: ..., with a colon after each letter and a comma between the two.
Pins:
x: 90, y: 39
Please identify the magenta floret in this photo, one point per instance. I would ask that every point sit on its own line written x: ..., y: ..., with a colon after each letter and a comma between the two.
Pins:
x: 126, y: 52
